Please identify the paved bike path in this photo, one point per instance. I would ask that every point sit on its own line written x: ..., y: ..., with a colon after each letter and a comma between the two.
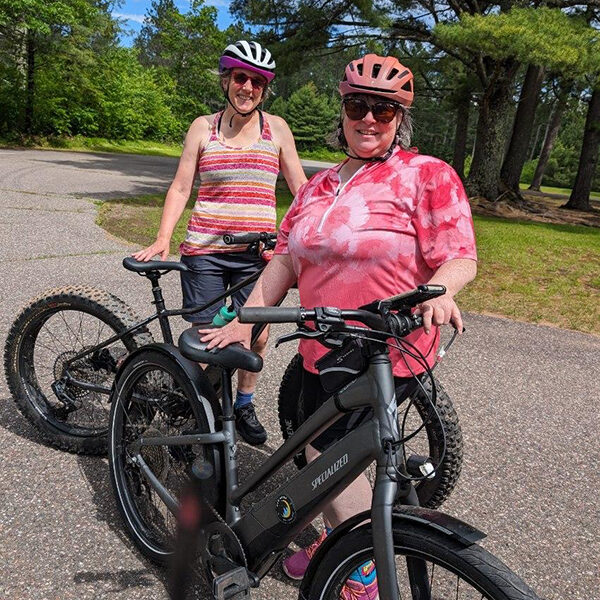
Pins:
x: 526, y: 396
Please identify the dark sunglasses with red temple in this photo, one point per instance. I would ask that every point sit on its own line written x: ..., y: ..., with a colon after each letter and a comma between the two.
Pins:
x: 257, y: 82
x: 357, y: 109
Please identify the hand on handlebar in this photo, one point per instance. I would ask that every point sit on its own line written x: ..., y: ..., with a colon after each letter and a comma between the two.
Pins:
x: 440, y: 311
x: 229, y: 334
x: 160, y: 247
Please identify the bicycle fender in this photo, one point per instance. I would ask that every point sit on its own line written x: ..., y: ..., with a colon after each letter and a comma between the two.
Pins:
x: 205, y: 393
x: 443, y: 523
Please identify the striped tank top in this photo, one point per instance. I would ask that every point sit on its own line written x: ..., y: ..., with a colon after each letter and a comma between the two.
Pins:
x: 236, y: 193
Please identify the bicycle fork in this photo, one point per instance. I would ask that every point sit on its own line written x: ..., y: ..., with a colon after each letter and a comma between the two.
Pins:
x: 386, y: 487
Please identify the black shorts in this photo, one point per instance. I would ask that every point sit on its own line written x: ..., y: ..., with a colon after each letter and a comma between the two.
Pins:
x: 210, y: 275
x: 313, y: 396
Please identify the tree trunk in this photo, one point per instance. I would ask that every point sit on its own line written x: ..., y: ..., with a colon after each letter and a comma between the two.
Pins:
x: 535, y: 140
x: 460, y: 136
x: 521, y: 134
x: 30, y: 89
x: 551, y: 134
x: 588, y: 160
x: 492, y: 125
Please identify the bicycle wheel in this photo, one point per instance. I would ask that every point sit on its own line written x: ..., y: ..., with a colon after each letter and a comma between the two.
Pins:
x: 53, y: 328
x: 153, y: 397
x: 428, y: 565
x: 412, y: 414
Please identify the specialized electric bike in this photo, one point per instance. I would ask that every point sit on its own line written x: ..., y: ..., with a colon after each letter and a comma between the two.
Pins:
x: 162, y: 416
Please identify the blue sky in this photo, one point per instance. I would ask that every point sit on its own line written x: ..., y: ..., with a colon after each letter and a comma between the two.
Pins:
x: 132, y: 14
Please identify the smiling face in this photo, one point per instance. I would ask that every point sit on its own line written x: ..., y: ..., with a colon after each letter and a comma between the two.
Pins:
x: 368, y: 137
x: 245, y: 89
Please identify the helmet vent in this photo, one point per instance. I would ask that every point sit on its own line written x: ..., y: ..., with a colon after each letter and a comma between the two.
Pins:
x: 392, y: 74
x: 407, y: 87
x: 376, y: 69
x: 359, y: 68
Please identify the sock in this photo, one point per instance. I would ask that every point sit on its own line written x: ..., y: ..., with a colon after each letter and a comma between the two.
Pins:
x: 242, y: 399
x: 365, y: 574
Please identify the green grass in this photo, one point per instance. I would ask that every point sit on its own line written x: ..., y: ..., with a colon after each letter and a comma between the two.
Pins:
x: 137, y: 219
x: 90, y: 144
x: 554, y: 190
x: 323, y: 154
x: 536, y: 272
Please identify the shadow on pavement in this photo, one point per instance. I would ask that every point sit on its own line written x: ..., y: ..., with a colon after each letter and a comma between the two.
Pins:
x: 122, y: 580
x: 95, y: 471
x: 14, y: 422
x: 132, y: 165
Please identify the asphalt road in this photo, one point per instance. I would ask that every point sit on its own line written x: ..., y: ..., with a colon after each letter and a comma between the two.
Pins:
x: 527, y: 397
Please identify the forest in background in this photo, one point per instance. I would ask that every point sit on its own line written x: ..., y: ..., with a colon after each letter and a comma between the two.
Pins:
x: 507, y: 92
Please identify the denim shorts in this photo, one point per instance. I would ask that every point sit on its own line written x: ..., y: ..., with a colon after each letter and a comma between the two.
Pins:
x: 210, y: 275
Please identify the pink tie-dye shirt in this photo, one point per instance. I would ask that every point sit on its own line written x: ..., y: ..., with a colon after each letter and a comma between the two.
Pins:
x: 385, y: 231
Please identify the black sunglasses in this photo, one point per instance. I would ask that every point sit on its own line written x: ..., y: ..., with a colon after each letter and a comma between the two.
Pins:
x: 257, y: 82
x: 357, y: 109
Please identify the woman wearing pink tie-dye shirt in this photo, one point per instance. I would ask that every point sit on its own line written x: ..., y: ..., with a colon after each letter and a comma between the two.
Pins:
x: 382, y: 222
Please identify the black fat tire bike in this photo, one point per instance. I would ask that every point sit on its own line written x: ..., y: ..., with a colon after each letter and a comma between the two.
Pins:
x: 53, y: 395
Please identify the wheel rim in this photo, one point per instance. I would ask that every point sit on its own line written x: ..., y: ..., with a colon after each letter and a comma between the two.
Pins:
x: 151, y: 403
x: 47, y: 345
x: 419, y: 576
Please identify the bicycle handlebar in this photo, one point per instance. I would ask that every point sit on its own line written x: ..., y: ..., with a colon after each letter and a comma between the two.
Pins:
x: 248, y: 238
x: 397, y: 324
x: 376, y: 315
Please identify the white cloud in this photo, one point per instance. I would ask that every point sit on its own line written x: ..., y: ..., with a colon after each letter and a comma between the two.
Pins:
x: 136, y: 18
x: 218, y: 3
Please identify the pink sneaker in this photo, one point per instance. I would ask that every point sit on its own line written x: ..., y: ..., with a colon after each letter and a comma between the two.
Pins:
x: 362, y: 584
x: 295, y: 566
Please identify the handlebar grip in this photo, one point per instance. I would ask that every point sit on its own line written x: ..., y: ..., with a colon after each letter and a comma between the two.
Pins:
x: 242, y: 238
x: 270, y: 314
x: 401, y: 324
x: 247, y: 238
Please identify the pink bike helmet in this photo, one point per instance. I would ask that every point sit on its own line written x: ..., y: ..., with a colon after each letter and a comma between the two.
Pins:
x: 248, y: 55
x: 379, y: 75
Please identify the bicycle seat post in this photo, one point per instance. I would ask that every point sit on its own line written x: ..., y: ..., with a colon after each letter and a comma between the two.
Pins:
x: 159, y: 302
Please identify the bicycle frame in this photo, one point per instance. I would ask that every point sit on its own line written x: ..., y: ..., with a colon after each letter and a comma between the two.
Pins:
x: 163, y: 315
x: 267, y: 528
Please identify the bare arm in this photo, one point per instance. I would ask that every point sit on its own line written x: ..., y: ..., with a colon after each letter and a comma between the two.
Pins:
x: 454, y: 275
x: 275, y: 281
x: 288, y: 156
x: 179, y: 191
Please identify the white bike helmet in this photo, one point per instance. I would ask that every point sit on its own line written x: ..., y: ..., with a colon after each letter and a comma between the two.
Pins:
x: 248, y: 55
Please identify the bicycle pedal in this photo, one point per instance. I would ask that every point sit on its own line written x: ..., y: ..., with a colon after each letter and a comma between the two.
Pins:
x: 233, y: 584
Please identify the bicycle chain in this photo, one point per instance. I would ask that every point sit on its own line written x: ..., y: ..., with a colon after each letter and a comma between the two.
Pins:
x: 229, y: 530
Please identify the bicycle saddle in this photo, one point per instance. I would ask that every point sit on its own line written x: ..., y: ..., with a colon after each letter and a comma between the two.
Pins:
x: 234, y: 356
x: 152, y: 265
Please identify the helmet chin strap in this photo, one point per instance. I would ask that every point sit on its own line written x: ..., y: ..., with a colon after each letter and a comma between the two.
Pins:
x: 247, y: 114
x: 382, y: 158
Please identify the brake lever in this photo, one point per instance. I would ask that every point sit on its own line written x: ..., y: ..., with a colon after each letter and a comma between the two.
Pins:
x: 306, y: 334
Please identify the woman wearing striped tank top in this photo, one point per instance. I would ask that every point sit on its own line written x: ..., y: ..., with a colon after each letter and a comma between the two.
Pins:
x: 237, y: 153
